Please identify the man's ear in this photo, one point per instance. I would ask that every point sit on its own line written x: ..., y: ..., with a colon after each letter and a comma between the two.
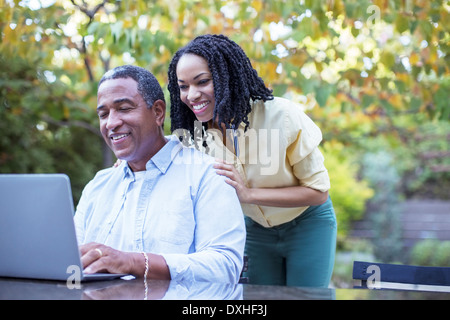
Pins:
x: 159, y: 108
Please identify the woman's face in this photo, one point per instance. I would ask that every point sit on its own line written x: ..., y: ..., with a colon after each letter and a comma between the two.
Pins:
x: 196, y: 86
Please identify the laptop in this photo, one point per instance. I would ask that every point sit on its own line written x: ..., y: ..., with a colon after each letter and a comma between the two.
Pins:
x: 37, y: 230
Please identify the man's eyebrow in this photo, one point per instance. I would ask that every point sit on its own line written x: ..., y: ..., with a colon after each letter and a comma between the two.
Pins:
x: 118, y: 101
x: 122, y: 100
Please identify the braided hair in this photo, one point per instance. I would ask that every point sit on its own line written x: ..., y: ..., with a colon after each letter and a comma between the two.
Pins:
x: 235, y: 83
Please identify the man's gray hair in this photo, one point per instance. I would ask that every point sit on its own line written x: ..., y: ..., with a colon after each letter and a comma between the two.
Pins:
x: 147, y: 84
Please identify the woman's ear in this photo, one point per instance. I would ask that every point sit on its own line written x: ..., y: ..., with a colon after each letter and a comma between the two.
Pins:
x: 159, y: 108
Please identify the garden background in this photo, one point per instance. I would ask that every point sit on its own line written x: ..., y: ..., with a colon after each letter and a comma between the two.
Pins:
x: 374, y: 75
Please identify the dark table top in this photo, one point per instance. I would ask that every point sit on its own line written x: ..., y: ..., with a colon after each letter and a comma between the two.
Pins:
x: 26, y: 289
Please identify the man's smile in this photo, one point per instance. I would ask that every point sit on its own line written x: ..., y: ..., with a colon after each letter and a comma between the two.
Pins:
x: 118, y: 137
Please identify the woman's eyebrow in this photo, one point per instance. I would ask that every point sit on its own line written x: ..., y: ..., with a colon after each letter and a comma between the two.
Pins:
x: 200, y: 74
x: 195, y: 78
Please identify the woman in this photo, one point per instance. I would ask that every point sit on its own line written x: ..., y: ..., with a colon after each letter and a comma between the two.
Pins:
x: 269, y: 152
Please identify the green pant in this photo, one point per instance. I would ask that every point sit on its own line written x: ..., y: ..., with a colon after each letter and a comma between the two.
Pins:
x: 298, y: 253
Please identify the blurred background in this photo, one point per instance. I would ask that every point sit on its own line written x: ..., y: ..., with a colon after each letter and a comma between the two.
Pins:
x: 374, y: 75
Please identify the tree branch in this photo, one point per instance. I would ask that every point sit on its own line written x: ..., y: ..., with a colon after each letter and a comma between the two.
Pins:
x: 90, y: 13
x: 72, y: 123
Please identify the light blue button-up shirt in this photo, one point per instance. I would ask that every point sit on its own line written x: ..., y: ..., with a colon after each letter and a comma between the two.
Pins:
x: 185, y: 212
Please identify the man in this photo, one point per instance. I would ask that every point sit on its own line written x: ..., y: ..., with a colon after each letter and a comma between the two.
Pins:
x: 163, y: 212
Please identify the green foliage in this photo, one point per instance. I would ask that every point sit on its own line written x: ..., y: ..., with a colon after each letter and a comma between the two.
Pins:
x: 425, y: 161
x: 348, y: 193
x: 363, y: 69
x: 431, y: 252
x: 383, y: 208
x: 37, y: 135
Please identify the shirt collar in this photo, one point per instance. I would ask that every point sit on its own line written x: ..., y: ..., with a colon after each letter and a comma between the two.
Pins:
x: 162, y: 159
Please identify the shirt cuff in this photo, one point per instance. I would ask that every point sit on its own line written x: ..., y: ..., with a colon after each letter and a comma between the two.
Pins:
x: 179, y: 267
x: 204, y: 266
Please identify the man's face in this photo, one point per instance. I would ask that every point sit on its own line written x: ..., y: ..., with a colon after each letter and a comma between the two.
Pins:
x: 129, y: 127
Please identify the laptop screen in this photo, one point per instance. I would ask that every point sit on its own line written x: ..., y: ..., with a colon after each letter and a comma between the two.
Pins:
x: 37, y: 233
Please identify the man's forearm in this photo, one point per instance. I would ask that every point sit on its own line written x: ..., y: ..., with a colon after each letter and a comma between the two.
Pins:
x: 156, y: 266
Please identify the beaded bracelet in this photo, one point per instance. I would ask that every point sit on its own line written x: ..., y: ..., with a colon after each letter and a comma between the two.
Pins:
x: 145, y: 275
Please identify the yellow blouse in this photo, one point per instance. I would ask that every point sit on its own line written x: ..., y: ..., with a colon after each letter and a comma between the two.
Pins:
x: 279, y: 149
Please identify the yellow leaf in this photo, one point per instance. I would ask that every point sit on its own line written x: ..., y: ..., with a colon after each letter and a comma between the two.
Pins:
x: 370, y: 91
x: 272, y: 17
x: 216, y: 28
x: 396, y: 101
x: 426, y: 94
x: 299, y: 58
x: 165, y: 57
x: 257, y: 5
x: 340, y: 96
x: 127, y: 24
x: 360, y: 118
x: 9, y: 35
x: 268, y: 71
x: 319, y: 66
x: 433, y: 57
x: 372, y: 110
x: 414, y: 58
x: 404, y: 77
x: 66, y: 112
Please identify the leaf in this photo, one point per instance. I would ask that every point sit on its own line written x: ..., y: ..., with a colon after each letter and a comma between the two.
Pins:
x: 116, y: 30
x: 414, y: 58
x: 401, y: 23
x: 322, y: 94
x: 388, y: 59
x: 257, y: 5
x: 308, y: 85
x: 131, y: 35
x: 367, y: 100
x: 396, y: 101
x: 93, y: 27
x: 280, y: 89
x: 426, y: 29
